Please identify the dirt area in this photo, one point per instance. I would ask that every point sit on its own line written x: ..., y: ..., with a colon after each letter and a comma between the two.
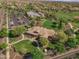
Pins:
x: 15, y: 55
x: 2, y: 40
x: 2, y: 17
x: 2, y: 56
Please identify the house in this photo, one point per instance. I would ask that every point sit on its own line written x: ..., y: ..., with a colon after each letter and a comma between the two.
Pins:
x: 33, y: 14
x: 69, y: 30
x: 43, y: 32
x: 15, y: 21
x: 68, y: 26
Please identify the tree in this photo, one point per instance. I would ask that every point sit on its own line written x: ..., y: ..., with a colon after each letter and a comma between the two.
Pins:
x: 27, y: 7
x: 3, y: 46
x: 17, y: 31
x: 51, y: 46
x: 20, y: 29
x: 60, y: 47
x: 62, y: 36
x: 44, y: 41
x: 69, y: 32
x: 53, y: 39
x: 60, y: 24
x: 77, y: 36
x: 12, y: 33
x: 72, y: 42
x: 3, y: 32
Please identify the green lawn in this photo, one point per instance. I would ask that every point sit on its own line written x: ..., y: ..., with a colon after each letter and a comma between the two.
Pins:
x: 49, y: 24
x: 26, y: 46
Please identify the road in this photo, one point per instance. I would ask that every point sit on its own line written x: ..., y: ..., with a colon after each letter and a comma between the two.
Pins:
x: 66, y: 54
x: 7, y: 39
x: 18, y: 40
x: 7, y: 49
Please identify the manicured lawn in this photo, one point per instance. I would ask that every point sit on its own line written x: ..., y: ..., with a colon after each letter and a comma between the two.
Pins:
x: 49, y: 24
x: 26, y: 46
x: 65, y: 17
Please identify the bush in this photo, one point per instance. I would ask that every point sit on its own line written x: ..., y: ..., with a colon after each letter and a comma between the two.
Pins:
x: 17, y: 31
x: 51, y: 46
x: 77, y: 36
x: 12, y: 33
x: 60, y: 47
x: 72, y: 43
x: 62, y: 36
x: 3, y: 32
x: 3, y: 46
x: 44, y: 42
x: 28, y: 7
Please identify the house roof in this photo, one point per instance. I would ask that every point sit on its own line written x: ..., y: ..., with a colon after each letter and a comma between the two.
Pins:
x: 69, y: 26
x: 44, y: 32
x: 15, y: 21
x: 33, y: 14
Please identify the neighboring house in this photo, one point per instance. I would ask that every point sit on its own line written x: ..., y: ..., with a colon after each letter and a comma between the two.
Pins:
x: 33, y: 14
x: 69, y: 26
x: 74, y: 9
x: 15, y: 21
x: 43, y: 32
x: 69, y: 29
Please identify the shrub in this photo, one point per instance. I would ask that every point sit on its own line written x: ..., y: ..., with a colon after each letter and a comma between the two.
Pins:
x: 72, y: 43
x: 17, y: 31
x: 62, y: 36
x: 3, y: 32
x: 3, y: 46
x: 60, y: 47
x: 44, y: 42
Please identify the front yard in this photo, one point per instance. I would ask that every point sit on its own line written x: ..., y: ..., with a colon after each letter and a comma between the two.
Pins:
x: 26, y: 46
